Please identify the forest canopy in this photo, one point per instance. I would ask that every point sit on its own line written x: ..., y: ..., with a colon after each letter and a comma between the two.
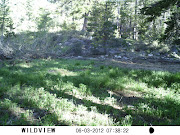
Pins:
x: 31, y: 15
x: 105, y: 23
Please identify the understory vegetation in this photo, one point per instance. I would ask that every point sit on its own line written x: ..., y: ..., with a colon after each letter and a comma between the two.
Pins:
x: 85, y: 92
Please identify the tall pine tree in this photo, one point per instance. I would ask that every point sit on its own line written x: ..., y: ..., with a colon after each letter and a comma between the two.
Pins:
x: 100, y: 23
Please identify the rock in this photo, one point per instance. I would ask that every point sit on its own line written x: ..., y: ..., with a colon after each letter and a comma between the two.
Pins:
x: 75, y: 46
x: 106, y: 55
x: 90, y: 58
x: 86, y: 52
x: 4, y: 57
x: 60, y: 44
x: 129, y: 44
x: 117, y: 56
x: 132, y: 50
x: 156, y: 53
x: 97, y: 51
x: 126, y: 58
x: 143, y: 54
x: 102, y: 57
x: 113, y: 51
x: 90, y: 38
x: 165, y: 55
x: 79, y: 57
x: 174, y: 55
x: 67, y: 43
x: 174, y: 49
x: 58, y: 51
x: 73, y: 41
x: 150, y: 55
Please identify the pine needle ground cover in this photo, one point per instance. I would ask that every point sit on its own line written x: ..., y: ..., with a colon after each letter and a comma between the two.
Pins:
x: 84, y: 92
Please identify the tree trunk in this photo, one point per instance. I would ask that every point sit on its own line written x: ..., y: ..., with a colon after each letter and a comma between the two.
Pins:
x: 105, y: 35
x: 119, y: 20
x: 3, y: 20
x: 85, y: 22
x: 130, y: 27
x: 135, y: 22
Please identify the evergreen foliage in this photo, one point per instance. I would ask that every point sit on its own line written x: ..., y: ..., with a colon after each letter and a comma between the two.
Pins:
x: 155, y: 10
x: 43, y: 22
x: 172, y: 31
x: 100, y: 23
x: 5, y: 20
x: 121, y: 18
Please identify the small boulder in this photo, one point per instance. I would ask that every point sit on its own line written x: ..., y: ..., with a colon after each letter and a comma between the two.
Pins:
x: 150, y: 55
x: 117, y: 56
x: 97, y: 51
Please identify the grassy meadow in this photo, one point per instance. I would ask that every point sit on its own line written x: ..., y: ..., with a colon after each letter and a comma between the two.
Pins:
x: 86, y: 93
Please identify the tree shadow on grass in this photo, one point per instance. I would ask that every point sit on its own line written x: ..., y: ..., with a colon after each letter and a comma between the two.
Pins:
x: 164, y: 107
x: 139, y: 117
x: 9, y: 116
x: 102, y: 93
x: 36, y: 116
x: 170, y: 110
x: 118, y: 114
x: 8, y: 119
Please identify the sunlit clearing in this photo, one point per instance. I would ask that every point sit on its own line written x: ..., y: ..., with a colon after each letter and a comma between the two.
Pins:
x: 62, y: 72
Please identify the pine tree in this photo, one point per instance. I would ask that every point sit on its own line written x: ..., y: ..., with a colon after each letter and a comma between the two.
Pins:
x: 101, y: 23
x: 43, y: 22
x: 5, y: 20
x: 29, y: 9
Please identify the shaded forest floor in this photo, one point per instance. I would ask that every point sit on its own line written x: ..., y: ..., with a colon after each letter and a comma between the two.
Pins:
x: 87, y: 92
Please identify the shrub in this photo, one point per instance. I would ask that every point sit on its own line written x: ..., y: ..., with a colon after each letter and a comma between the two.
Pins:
x: 92, y: 63
x: 77, y: 64
x: 113, y: 72
x: 101, y: 67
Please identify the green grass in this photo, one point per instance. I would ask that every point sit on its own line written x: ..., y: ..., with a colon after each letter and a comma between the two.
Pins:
x: 82, y: 92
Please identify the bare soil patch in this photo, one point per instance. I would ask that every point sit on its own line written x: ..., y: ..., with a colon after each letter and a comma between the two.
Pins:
x: 127, y: 97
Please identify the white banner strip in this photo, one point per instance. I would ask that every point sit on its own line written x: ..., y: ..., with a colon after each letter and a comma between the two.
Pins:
x: 89, y: 130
